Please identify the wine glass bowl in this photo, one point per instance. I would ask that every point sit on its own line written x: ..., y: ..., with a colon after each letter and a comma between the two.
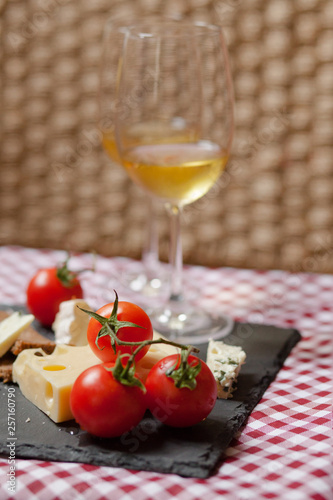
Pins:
x: 175, y: 83
x: 146, y: 277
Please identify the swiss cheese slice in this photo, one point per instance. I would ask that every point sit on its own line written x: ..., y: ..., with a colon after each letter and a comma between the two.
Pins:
x: 47, y: 380
x: 10, y: 329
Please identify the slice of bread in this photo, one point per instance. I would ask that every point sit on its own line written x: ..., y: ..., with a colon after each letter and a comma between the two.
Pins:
x: 6, y: 367
x: 30, y: 338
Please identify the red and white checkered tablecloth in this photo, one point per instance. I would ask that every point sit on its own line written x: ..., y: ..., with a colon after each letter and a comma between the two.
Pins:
x: 285, y: 449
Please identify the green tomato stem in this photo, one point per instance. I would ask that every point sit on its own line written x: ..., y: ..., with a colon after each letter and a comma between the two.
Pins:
x: 67, y: 277
x: 141, y: 345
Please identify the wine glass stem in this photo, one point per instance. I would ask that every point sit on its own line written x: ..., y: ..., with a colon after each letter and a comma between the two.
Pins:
x: 150, y: 249
x: 176, y: 254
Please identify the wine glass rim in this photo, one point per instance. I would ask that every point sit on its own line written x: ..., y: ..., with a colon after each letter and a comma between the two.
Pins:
x: 168, y: 28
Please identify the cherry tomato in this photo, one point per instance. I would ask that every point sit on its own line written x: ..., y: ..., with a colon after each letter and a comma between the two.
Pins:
x: 48, y: 288
x: 103, y: 406
x: 180, y: 407
x: 126, y: 312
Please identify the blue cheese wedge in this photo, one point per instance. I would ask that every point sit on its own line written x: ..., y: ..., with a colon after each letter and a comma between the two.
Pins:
x: 225, y: 362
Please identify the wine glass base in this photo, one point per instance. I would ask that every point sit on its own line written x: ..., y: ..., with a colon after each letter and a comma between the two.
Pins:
x: 134, y: 283
x: 190, y: 325
x: 141, y: 283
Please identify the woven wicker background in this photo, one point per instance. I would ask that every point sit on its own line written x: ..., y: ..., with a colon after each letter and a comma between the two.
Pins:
x: 272, y: 209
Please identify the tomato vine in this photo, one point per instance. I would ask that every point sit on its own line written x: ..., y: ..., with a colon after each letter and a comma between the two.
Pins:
x: 183, y: 376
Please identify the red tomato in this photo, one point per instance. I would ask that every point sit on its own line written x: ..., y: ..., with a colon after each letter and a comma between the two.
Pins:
x: 180, y: 407
x: 47, y: 290
x: 103, y: 406
x: 126, y: 312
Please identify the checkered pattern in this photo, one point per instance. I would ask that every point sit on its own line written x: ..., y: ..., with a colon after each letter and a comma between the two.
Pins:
x: 285, y: 449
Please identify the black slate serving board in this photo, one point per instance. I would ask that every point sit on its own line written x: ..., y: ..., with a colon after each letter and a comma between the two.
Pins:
x: 191, y: 452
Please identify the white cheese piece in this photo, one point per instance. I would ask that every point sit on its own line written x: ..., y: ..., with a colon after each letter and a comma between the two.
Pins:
x: 70, y: 324
x: 47, y: 379
x: 10, y: 329
x: 225, y: 362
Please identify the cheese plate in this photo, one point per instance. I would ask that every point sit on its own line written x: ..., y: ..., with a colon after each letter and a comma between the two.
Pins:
x: 191, y: 452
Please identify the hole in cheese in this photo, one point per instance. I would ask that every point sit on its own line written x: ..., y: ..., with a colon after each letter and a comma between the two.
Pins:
x: 54, y: 368
x: 48, y: 394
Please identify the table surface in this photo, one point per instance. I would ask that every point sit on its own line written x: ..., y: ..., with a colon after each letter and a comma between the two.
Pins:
x: 285, y: 449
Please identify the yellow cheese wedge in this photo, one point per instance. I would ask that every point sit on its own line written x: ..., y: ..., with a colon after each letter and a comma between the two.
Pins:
x: 10, y: 329
x: 155, y: 353
x: 47, y: 380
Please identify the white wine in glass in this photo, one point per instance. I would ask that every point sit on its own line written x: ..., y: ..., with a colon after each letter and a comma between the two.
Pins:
x: 176, y: 173
x: 175, y: 74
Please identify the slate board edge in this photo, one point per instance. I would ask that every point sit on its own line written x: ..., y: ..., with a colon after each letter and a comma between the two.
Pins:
x: 255, y: 395
x: 195, y: 470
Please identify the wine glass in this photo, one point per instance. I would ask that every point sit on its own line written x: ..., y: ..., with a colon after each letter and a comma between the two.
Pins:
x: 175, y: 75
x: 146, y: 277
